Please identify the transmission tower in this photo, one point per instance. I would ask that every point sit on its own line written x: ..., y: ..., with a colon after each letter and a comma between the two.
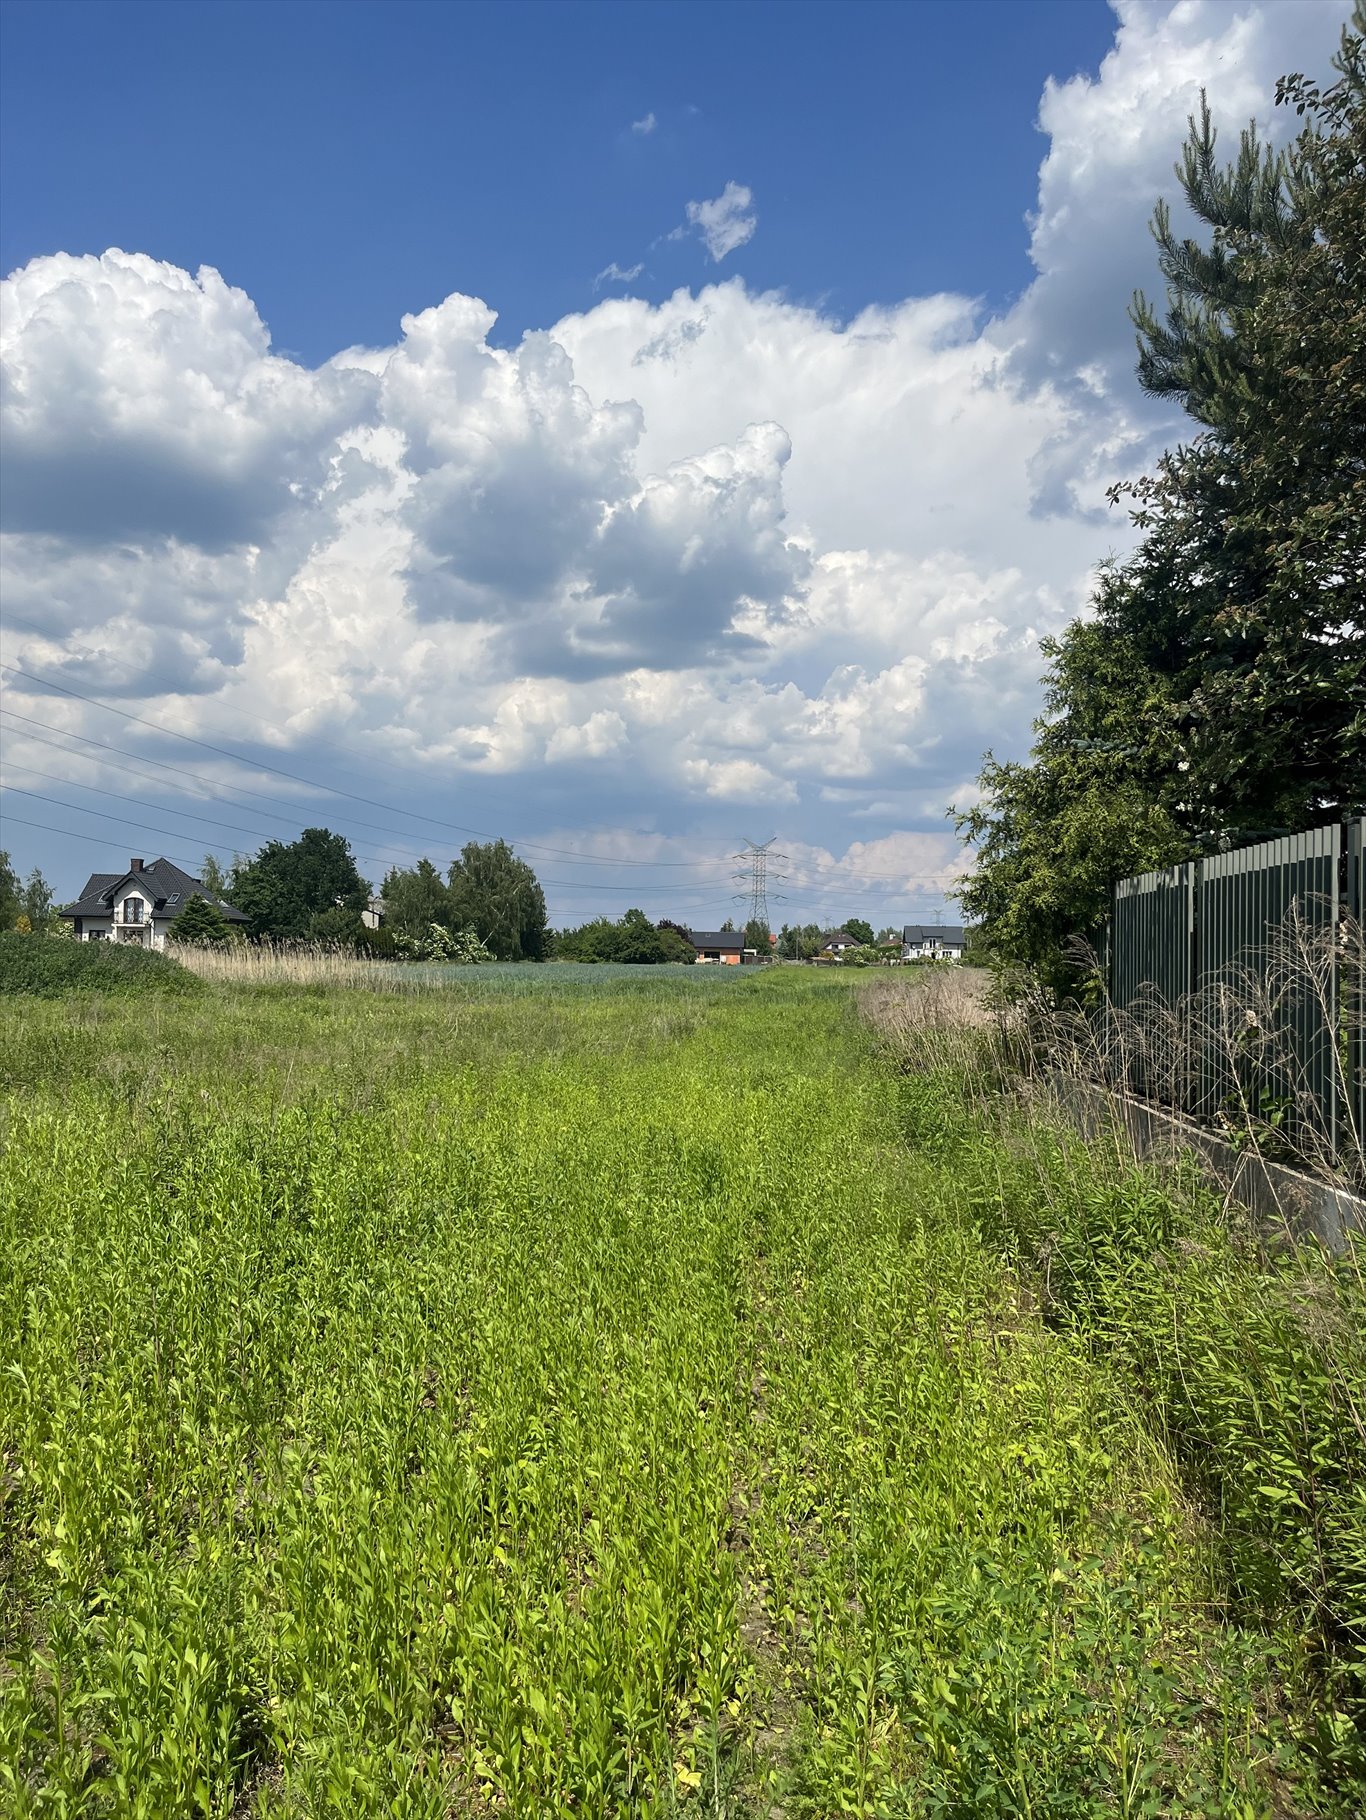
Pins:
x: 754, y: 859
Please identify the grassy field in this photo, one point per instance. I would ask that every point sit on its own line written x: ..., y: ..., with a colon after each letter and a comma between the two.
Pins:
x: 594, y: 1392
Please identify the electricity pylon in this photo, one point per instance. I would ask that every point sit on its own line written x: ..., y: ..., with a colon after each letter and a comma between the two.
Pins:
x: 755, y: 857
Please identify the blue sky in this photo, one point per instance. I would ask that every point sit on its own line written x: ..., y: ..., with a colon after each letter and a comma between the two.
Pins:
x: 335, y: 469
x: 347, y: 163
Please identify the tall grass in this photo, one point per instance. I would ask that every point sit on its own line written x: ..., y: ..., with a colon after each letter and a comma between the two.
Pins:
x: 1241, y: 1350
x: 327, y: 968
x: 549, y: 1401
x: 1256, y: 1052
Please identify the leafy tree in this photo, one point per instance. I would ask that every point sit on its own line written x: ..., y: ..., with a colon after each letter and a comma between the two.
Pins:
x: 11, y: 896
x: 862, y: 932
x: 37, y: 903
x: 595, y: 940
x: 499, y: 896
x: 634, y: 940
x: 285, y: 886
x: 756, y: 937
x: 213, y: 878
x: 200, y: 924
x: 638, y: 941
x: 415, y: 898
x: 1218, y: 692
x: 676, y: 947
x: 800, y: 942
x: 336, y: 928
x: 729, y: 924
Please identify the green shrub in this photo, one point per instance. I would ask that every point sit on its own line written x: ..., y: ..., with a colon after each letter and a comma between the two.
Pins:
x: 200, y: 923
x: 380, y: 944
x: 47, y: 969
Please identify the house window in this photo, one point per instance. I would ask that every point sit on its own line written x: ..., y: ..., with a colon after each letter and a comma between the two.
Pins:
x: 132, y: 910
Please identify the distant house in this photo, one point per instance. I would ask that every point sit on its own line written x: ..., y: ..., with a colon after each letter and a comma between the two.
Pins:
x: 933, y: 942
x: 724, y: 946
x: 138, y: 905
x: 835, y: 941
x: 374, y: 913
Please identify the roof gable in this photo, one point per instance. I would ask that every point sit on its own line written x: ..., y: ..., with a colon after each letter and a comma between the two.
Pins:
x: 164, y: 883
x: 717, y: 938
x: 951, y: 933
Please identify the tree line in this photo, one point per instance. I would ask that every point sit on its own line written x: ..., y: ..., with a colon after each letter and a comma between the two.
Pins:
x: 311, y: 889
x: 1215, y: 694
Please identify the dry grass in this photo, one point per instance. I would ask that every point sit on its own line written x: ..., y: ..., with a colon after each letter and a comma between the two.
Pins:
x: 1233, y: 1056
x: 297, y: 964
x: 943, y: 1017
x: 1236, y: 1053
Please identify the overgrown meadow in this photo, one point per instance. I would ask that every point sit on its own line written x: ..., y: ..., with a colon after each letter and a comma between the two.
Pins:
x: 568, y: 1392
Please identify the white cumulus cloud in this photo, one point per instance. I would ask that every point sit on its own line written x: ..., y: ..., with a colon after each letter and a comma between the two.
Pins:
x: 654, y: 565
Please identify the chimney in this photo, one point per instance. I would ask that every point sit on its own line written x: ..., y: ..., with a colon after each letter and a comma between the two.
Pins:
x: 135, y: 865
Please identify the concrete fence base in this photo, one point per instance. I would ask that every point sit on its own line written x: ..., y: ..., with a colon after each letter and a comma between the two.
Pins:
x: 1300, y: 1204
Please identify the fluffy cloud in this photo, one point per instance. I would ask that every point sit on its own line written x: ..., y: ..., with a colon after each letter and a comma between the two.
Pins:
x: 142, y: 401
x: 643, y: 127
x: 726, y: 222
x: 656, y: 568
x: 1112, y: 141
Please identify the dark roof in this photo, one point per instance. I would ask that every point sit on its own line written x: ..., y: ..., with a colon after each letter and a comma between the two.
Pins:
x: 718, y: 938
x: 832, y: 936
x: 169, y: 888
x: 953, y: 933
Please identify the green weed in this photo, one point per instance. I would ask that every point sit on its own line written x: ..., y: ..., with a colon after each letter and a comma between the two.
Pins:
x: 554, y: 1401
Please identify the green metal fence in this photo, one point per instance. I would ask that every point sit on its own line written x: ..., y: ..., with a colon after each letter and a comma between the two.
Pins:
x: 1151, y: 956
x: 1355, y: 988
x: 1238, y: 998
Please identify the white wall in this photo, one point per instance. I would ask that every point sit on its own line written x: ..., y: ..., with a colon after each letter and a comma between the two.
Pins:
x: 125, y: 929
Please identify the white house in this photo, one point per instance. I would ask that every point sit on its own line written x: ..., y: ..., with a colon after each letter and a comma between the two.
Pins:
x: 138, y: 905
x: 374, y: 913
x: 936, y: 942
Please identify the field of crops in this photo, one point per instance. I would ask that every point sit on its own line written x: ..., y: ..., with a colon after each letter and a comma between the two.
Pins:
x: 586, y: 1394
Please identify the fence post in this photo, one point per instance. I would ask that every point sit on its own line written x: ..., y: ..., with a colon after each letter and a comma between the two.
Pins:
x: 1352, y: 986
x: 1190, y: 1016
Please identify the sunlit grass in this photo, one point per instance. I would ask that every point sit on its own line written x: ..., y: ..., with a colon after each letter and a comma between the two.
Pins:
x: 569, y: 1398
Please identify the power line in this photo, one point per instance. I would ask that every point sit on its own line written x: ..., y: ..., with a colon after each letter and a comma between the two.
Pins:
x: 95, y: 840
x: 90, y: 840
x: 209, y: 783
x: 841, y: 880
x: 558, y: 884
x: 330, y: 789
x: 348, y: 795
x: 137, y: 802
x: 230, y: 792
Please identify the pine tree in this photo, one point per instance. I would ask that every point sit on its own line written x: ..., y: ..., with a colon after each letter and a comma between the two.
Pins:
x: 199, y: 924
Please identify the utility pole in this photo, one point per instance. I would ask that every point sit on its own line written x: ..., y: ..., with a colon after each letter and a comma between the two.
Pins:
x: 753, y: 874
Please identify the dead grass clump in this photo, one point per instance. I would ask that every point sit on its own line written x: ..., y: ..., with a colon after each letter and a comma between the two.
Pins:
x: 293, y: 964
